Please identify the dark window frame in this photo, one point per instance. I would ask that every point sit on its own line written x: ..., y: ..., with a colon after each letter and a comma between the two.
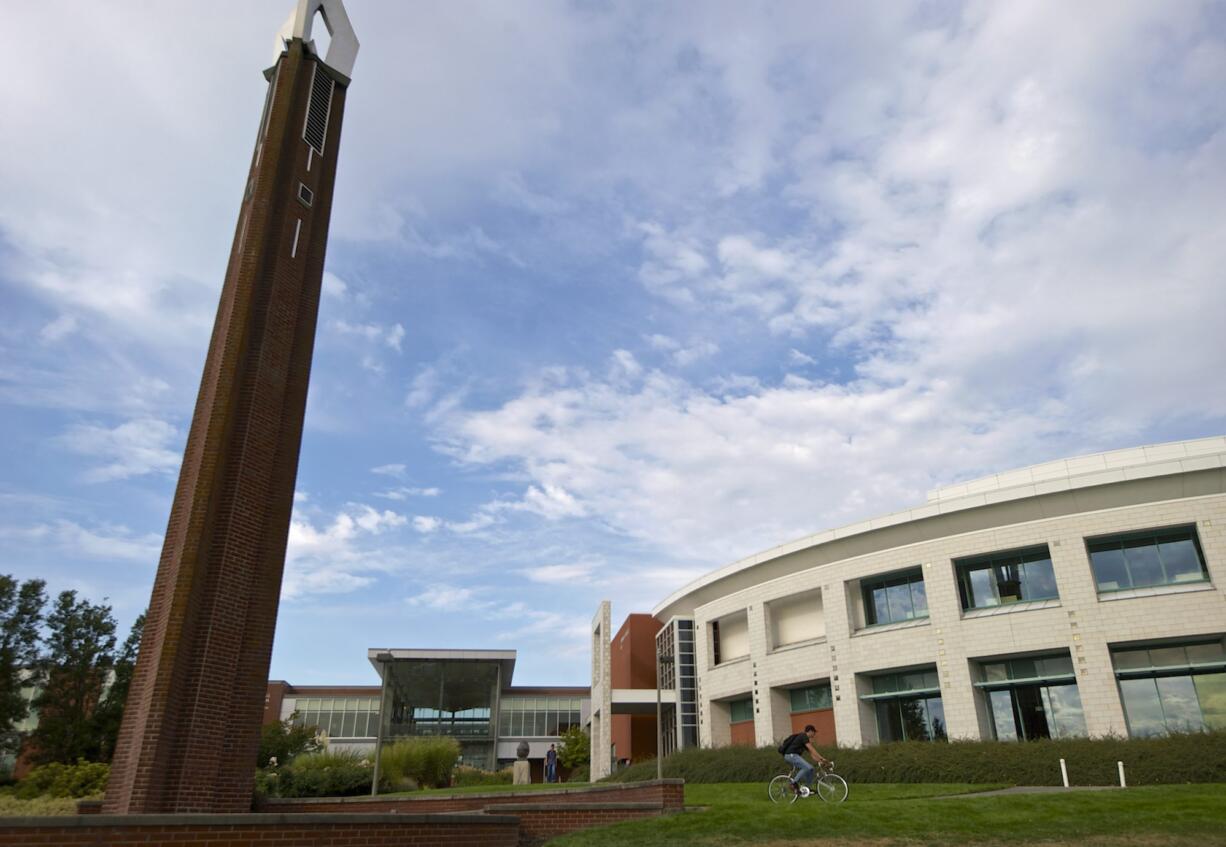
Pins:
x: 994, y: 563
x: 893, y: 579
x: 1120, y: 541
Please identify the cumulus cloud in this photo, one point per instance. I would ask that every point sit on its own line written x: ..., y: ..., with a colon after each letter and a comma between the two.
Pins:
x: 340, y: 555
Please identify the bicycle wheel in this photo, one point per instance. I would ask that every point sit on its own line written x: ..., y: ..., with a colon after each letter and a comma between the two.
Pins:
x: 832, y: 788
x: 781, y: 790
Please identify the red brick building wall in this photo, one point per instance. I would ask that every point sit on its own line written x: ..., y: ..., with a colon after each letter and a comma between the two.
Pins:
x: 632, y: 665
x: 742, y: 733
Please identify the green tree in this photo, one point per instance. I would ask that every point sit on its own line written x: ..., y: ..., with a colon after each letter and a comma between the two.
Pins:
x: 109, y: 714
x: 21, y: 612
x: 80, y: 658
x: 284, y: 740
x: 576, y: 748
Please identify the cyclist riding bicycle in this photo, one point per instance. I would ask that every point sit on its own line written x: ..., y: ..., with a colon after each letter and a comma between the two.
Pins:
x: 793, y: 747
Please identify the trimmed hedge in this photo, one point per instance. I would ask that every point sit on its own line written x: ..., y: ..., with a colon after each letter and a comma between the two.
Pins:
x: 1197, y: 757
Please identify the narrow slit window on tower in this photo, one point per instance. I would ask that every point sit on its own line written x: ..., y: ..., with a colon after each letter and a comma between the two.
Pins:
x: 305, y: 194
x: 318, y: 110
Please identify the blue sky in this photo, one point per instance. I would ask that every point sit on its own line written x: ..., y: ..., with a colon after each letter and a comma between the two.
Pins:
x: 616, y: 293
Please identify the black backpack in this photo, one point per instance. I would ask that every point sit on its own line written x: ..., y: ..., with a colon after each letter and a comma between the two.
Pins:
x: 785, y: 746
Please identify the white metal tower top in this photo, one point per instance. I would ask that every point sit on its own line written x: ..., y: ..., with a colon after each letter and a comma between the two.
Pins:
x: 343, y: 50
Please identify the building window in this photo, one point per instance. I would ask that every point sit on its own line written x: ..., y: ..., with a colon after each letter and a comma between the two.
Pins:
x: 339, y: 717
x: 305, y: 195
x: 740, y: 710
x: 729, y: 638
x: 1014, y: 576
x: 796, y: 619
x: 894, y: 598
x: 1142, y: 559
x: 537, y: 717
x: 1172, y: 688
x: 908, y: 707
x: 811, y: 699
x: 1033, y: 698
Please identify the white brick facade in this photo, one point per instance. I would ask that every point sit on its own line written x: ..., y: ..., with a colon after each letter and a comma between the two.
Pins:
x: 1059, y: 504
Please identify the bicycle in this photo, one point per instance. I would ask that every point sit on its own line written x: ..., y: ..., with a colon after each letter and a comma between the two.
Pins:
x: 828, y: 785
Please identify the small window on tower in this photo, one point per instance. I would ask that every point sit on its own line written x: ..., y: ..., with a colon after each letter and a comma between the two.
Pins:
x: 305, y: 194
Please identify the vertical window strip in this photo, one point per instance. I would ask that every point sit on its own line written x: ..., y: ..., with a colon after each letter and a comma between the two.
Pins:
x: 293, y: 250
x: 319, y: 109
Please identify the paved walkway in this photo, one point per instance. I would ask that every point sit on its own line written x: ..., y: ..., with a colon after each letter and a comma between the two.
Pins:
x: 1030, y: 789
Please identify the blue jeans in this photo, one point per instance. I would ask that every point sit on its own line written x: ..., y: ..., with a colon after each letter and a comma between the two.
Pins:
x: 805, y: 770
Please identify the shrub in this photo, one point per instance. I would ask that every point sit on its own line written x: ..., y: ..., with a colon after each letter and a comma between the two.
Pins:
x: 284, y: 740
x: 328, y: 773
x: 411, y: 763
x: 579, y: 773
x: 59, y: 780
x: 1199, y: 757
x: 575, y: 749
x: 11, y: 807
x: 463, y: 775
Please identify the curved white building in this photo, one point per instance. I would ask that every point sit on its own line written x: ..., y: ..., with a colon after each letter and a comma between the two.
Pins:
x: 1080, y: 597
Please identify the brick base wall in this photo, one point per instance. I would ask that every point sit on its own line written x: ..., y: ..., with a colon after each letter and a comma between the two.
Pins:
x: 252, y: 830
x: 668, y: 795
x: 520, y: 818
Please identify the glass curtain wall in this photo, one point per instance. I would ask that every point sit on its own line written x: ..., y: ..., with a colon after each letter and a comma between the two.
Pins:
x: 1033, y: 698
x: 339, y: 717
x: 1172, y: 688
x: 445, y: 697
x: 540, y: 717
x: 908, y: 707
x: 677, y: 640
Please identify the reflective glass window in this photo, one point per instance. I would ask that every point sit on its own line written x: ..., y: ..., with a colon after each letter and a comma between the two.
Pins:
x: 741, y: 710
x: 1007, y: 577
x: 1001, y: 705
x: 1211, y: 691
x: 1140, y: 559
x: 1180, y: 705
x: 894, y: 598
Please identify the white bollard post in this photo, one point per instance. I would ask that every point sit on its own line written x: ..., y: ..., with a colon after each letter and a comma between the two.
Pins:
x: 1123, y: 784
x: 1064, y: 773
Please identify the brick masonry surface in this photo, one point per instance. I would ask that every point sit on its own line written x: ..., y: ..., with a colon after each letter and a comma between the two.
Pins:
x: 250, y: 830
x: 668, y: 794
x: 495, y: 818
x: 192, y: 723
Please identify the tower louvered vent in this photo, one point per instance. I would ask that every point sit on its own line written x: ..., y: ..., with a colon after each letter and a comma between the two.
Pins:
x: 316, y: 128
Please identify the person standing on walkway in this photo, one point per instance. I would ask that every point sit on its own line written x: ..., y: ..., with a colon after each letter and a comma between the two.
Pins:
x: 551, y: 764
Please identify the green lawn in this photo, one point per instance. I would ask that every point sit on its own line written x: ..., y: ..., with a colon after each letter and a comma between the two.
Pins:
x: 882, y: 815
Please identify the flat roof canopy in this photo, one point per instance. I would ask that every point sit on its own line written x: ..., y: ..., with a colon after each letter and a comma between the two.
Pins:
x: 380, y: 656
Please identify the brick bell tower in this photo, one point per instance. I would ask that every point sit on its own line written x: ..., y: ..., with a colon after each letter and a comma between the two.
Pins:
x: 191, y: 728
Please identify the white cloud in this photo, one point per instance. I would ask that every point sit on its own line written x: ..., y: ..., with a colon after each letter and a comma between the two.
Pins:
x: 447, y: 598
x: 340, y: 555
x: 334, y: 286
x: 425, y: 523
x: 106, y: 543
x: 60, y: 328
x: 396, y: 470
x: 133, y: 448
x: 559, y: 574
x: 404, y: 493
x: 798, y: 358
